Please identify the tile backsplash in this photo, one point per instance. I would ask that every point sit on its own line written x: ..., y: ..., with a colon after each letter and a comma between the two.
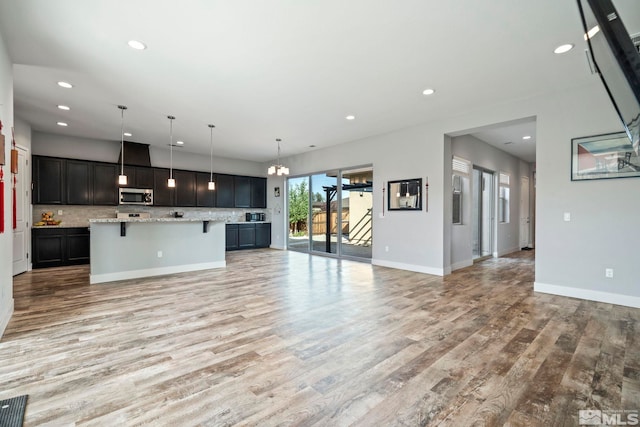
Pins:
x: 78, y: 216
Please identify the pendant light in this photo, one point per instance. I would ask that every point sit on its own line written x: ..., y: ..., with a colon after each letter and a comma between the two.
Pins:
x: 171, y: 183
x: 122, y: 179
x: 278, y: 169
x: 407, y: 189
x: 212, y: 185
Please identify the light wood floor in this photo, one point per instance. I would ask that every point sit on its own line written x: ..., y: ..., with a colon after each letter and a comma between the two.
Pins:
x: 282, y: 338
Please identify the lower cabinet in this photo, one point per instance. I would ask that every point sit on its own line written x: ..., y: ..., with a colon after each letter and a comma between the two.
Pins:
x: 248, y: 236
x: 55, y: 247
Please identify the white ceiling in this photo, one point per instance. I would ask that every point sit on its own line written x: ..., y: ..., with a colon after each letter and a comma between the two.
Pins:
x: 261, y: 70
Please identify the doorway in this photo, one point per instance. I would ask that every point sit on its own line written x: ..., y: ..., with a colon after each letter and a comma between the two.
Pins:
x: 21, y: 235
x: 482, y: 213
x: 331, y: 213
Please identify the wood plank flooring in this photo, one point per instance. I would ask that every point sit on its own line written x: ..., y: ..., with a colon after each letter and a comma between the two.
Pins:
x: 283, y: 338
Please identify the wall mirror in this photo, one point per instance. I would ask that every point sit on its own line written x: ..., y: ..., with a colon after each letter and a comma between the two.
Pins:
x: 405, y: 195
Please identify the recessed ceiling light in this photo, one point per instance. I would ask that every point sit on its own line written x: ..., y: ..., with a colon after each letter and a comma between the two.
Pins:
x: 62, y: 124
x: 65, y: 85
x: 350, y: 117
x: 64, y: 107
x: 526, y: 137
x: 428, y: 92
x: 127, y: 134
x: 180, y: 142
x: 563, y: 48
x: 135, y: 44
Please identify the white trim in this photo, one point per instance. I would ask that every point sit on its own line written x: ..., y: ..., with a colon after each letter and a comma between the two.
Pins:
x: 461, y: 264
x: 148, y: 272
x: 409, y: 267
x: 282, y: 248
x: 5, y: 317
x: 588, y: 294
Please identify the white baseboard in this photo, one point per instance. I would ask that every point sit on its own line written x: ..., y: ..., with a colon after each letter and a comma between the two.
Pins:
x: 588, y: 294
x: 5, y: 316
x: 461, y: 264
x: 282, y: 248
x: 136, y: 274
x: 409, y: 267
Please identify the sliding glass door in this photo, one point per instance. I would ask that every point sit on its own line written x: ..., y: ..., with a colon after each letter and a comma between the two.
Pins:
x: 330, y: 213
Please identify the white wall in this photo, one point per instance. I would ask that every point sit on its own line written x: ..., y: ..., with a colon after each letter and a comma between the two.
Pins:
x: 6, y: 238
x: 46, y: 144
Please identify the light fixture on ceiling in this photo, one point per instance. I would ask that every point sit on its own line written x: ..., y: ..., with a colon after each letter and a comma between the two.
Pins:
x: 212, y: 184
x: 428, y: 91
x: 350, y: 117
x: 62, y: 124
x: 179, y: 142
x: 64, y: 107
x: 278, y: 169
x: 137, y: 45
x: 526, y: 137
x: 65, y: 85
x: 122, y: 178
x: 127, y: 134
x: 171, y: 183
x: 563, y: 48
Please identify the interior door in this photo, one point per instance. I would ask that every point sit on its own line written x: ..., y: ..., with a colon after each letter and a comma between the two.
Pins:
x: 525, y: 221
x: 21, y: 236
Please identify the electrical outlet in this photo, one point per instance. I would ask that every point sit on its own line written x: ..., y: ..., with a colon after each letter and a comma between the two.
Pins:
x: 59, y: 211
x: 567, y: 216
x: 608, y: 273
x: 159, y: 254
x: 386, y: 248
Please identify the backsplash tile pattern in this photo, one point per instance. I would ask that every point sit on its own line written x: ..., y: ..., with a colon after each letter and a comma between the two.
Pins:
x: 78, y: 216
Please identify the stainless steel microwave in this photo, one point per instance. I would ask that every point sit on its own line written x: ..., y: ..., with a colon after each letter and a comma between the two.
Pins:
x: 136, y: 196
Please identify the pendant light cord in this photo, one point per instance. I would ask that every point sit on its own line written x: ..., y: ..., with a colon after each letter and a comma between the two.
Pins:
x: 122, y: 108
x: 171, y: 118
x: 211, y: 157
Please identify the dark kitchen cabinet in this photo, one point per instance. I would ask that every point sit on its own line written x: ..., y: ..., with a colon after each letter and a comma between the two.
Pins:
x: 185, y: 192
x: 54, y: 247
x: 77, y: 246
x: 258, y: 192
x: 231, y: 241
x: 138, y: 176
x: 205, y: 198
x: 105, y: 184
x: 48, y: 181
x: 242, y: 188
x: 225, y: 197
x: 263, y: 235
x: 162, y: 194
x: 79, y: 188
x: 248, y: 236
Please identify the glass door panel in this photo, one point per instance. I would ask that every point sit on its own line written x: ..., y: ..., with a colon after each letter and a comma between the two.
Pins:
x: 357, y: 208
x: 298, y: 208
x: 324, y: 217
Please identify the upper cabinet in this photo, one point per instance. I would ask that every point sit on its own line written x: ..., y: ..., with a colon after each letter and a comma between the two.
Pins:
x: 138, y: 176
x: 258, y: 192
x: 60, y: 181
x: 105, y: 179
x: 48, y: 181
x: 205, y: 198
x: 225, y: 197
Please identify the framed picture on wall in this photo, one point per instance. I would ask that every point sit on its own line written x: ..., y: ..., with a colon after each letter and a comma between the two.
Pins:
x: 603, y: 156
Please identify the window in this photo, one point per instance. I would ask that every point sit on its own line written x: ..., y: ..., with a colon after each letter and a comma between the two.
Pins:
x: 461, y: 169
x: 503, y: 198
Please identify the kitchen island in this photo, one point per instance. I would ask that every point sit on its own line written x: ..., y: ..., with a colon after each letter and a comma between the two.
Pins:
x: 129, y: 248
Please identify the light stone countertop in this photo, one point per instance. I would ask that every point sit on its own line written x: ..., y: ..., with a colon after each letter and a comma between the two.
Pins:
x: 117, y: 220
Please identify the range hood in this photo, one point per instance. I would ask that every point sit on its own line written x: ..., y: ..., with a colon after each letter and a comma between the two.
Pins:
x: 135, y: 154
